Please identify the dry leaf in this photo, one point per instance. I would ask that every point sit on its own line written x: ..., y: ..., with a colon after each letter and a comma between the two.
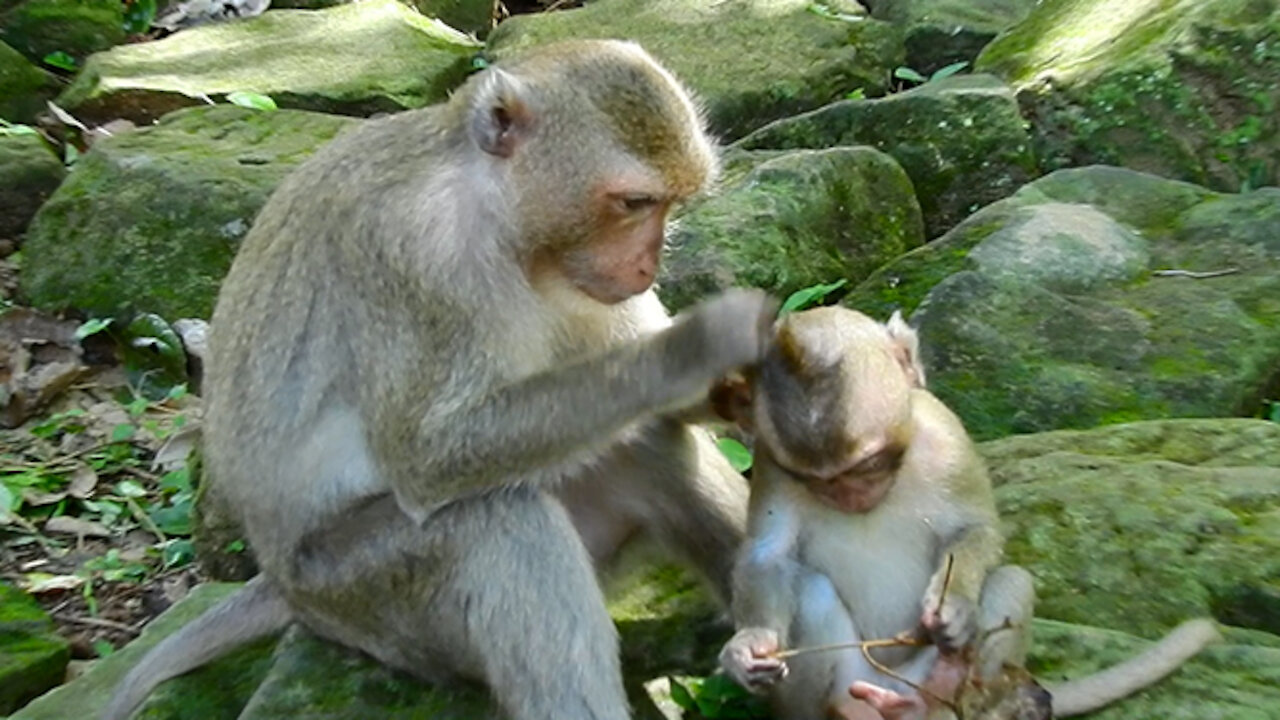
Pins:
x: 36, y: 583
x: 38, y: 497
x: 75, y: 526
x: 83, y: 481
x: 173, y: 454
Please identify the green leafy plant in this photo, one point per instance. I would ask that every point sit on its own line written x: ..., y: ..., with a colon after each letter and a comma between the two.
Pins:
x: 717, y: 697
x: 251, y: 100
x: 856, y: 94
x: 9, y: 129
x: 810, y: 296
x: 911, y: 75
x: 92, y: 326
x: 60, y: 60
x: 138, y: 15
x: 738, y: 454
x: 1272, y: 410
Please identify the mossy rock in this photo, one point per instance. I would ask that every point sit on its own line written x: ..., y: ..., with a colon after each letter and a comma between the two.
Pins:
x: 29, y: 172
x: 665, y: 620
x: 33, y: 658
x: 151, y: 219
x: 961, y: 140
x: 1138, y: 527
x: 24, y: 88
x: 941, y: 32
x: 1045, y: 310
x: 795, y: 219
x: 357, y: 59
x: 37, y: 28
x: 1181, y: 88
x: 1231, y: 681
x: 750, y: 61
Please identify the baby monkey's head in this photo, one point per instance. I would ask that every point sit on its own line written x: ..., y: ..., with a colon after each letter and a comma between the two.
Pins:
x: 831, y: 403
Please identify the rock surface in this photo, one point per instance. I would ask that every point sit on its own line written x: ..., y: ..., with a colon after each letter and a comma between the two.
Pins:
x: 36, y: 28
x: 1184, y: 89
x: 750, y: 61
x: 961, y: 140
x: 1044, y: 310
x: 150, y: 219
x: 940, y: 32
x: 23, y: 86
x: 29, y: 172
x: 33, y: 657
x: 794, y: 220
x: 353, y: 59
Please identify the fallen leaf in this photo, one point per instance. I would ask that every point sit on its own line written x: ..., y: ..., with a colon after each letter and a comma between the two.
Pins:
x: 36, y: 583
x: 83, y: 481
x: 38, y: 497
x: 75, y: 526
x: 173, y: 454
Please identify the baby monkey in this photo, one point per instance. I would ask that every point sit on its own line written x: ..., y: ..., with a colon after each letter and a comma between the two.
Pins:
x: 872, y: 517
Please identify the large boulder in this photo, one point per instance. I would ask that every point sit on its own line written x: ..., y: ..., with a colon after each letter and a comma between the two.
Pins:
x: 471, y: 16
x: 941, y: 32
x: 33, y: 658
x: 1135, y: 528
x: 1048, y: 310
x: 29, y: 172
x: 795, y: 219
x: 665, y: 620
x: 150, y: 219
x: 750, y: 61
x: 355, y: 59
x: 1186, y: 89
x: 23, y: 86
x: 36, y: 28
x: 961, y: 140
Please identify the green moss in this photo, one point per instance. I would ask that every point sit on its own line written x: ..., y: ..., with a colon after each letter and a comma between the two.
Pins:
x: 77, y: 27
x: 33, y: 657
x: 750, y: 61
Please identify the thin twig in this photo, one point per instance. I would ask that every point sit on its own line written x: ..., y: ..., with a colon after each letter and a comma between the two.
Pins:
x: 145, y: 519
x: 946, y: 582
x: 888, y: 671
x: 1195, y: 275
x: 899, y: 641
x: 102, y: 622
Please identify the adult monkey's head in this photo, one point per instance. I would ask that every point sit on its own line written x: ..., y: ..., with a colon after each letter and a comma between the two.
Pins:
x: 594, y: 143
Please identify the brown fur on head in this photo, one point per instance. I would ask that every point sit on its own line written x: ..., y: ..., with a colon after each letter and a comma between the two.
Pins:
x: 832, y: 396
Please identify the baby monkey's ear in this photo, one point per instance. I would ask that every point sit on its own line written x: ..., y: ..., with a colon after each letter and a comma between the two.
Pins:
x: 906, y: 348
x: 731, y: 398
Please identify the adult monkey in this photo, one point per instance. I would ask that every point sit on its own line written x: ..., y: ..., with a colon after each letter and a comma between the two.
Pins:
x: 440, y: 385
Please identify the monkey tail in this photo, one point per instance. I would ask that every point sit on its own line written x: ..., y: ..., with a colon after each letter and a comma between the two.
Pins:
x: 1076, y: 697
x: 254, y: 611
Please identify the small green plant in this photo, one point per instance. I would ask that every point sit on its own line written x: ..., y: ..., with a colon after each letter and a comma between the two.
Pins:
x: 8, y: 129
x: 717, y: 697
x: 738, y: 454
x: 810, y: 296
x: 60, y: 60
x: 92, y: 326
x: 912, y: 75
x: 251, y: 100
x: 856, y: 94
x: 138, y: 15
x: 1272, y: 410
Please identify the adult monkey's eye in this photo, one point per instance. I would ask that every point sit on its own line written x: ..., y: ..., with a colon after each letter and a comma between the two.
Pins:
x: 636, y: 203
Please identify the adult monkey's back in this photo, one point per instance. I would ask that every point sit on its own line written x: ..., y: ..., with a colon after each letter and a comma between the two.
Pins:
x: 440, y: 385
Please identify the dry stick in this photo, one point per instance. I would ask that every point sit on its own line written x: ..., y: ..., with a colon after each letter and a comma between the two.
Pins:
x: 1195, y: 275
x: 101, y: 622
x: 904, y: 639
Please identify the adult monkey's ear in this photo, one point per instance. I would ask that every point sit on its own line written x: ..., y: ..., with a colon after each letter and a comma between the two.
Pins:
x: 906, y: 348
x: 731, y: 398
x: 499, y: 118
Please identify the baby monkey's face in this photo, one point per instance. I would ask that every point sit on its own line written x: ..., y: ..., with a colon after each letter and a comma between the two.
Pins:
x: 857, y: 483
